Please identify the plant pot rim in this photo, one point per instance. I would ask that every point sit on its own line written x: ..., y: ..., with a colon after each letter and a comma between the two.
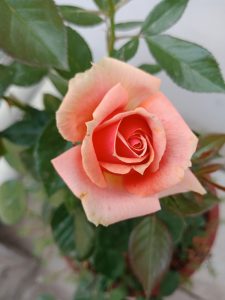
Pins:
x: 212, y: 224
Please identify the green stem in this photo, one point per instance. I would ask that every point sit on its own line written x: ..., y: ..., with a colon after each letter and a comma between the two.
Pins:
x: 11, y: 101
x: 111, y: 29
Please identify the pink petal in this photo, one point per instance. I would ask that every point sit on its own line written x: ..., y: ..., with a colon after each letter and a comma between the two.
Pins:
x: 102, y: 206
x: 181, y: 144
x: 114, y: 99
x: 138, y: 84
x: 86, y: 91
x: 150, y: 121
x: 187, y: 184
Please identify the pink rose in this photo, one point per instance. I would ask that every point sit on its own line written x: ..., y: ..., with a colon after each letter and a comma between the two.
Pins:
x: 135, y: 147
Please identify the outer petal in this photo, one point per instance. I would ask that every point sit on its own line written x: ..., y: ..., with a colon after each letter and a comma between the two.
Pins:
x: 87, y: 89
x: 102, y: 206
x: 114, y: 99
x: 187, y: 184
x: 181, y: 144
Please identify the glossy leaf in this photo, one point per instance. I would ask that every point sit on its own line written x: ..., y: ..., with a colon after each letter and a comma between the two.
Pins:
x: 104, y: 4
x: 189, y: 65
x: 12, y: 201
x: 189, y: 204
x: 175, y: 224
x: 49, y: 145
x: 33, y: 32
x: 59, y: 83
x: 6, y: 78
x: 25, y: 75
x: 62, y: 225
x: 79, y: 16
x: 128, y: 50
x: 51, y: 103
x: 112, y: 266
x: 209, y: 146
x: 13, y: 156
x: 27, y: 131
x: 84, y: 235
x: 163, y: 16
x: 79, y: 54
x: 124, y: 26
x: 170, y: 283
x: 151, y: 69
x: 150, y: 252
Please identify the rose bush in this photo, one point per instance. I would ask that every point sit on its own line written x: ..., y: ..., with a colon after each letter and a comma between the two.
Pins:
x: 136, y: 148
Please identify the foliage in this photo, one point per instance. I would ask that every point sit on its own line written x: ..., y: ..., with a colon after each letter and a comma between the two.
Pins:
x: 43, y: 40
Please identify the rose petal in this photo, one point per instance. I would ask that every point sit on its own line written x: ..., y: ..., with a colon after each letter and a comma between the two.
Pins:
x: 102, y: 206
x: 187, y: 184
x: 86, y: 91
x: 181, y: 144
x: 114, y: 99
x: 150, y: 121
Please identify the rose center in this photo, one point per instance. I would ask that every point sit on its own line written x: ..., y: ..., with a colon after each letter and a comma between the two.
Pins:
x: 135, y: 142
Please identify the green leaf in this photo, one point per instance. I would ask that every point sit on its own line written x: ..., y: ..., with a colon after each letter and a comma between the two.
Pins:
x: 79, y: 54
x: 84, y: 235
x: 13, y: 156
x: 6, y: 78
x: 124, y: 26
x: 151, y: 69
x: 51, y: 103
x: 170, y: 283
x: 119, y: 232
x: 25, y: 75
x: 33, y: 32
x: 12, y: 201
x: 90, y: 287
x: 190, y: 204
x: 209, y: 146
x: 150, y: 252
x: 189, y: 65
x: 79, y: 16
x: 163, y: 16
x: 174, y: 222
x: 62, y: 225
x: 49, y: 145
x: 104, y: 4
x: 60, y: 83
x: 27, y: 131
x: 45, y: 297
x: 117, y: 294
x: 127, y: 51
x: 112, y: 265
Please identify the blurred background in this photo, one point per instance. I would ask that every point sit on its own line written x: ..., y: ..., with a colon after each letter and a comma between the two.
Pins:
x: 203, y: 22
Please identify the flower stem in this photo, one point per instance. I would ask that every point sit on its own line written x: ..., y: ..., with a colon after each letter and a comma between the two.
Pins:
x: 111, y: 28
x: 12, y: 101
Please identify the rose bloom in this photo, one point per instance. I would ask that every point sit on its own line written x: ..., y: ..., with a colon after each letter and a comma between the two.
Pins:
x: 136, y: 148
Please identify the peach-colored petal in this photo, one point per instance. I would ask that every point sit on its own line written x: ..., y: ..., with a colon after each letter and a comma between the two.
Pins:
x: 107, y: 149
x: 187, y: 184
x: 152, y: 122
x: 181, y: 144
x: 118, y: 168
x: 86, y: 91
x: 114, y: 99
x: 102, y: 206
x: 108, y: 158
x: 137, y: 82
